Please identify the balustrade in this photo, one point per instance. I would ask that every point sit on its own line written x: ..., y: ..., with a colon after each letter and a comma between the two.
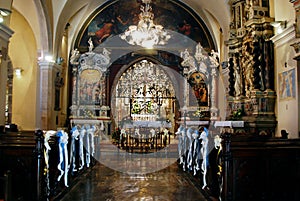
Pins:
x: 143, y: 139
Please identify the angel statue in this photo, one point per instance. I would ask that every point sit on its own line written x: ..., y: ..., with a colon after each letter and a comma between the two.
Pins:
x: 74, y: 56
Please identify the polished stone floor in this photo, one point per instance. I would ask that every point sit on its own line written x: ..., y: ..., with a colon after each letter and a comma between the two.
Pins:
x: 104, y: 184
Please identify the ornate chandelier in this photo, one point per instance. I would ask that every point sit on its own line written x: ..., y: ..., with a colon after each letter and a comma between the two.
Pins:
x: 146, y: 33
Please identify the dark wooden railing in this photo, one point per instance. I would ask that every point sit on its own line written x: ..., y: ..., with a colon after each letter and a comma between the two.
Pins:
x: 144, y: 142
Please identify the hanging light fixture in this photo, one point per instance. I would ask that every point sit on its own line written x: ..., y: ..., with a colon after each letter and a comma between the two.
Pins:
x: 146, y: 33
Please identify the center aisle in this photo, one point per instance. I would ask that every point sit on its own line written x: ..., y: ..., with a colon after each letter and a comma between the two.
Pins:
x: 105, y: 184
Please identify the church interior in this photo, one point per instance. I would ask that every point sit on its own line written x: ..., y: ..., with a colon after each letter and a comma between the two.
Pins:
x: 149, y: 100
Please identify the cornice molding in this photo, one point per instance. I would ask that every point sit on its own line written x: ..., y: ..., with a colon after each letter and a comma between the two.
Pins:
x: 285, y: 37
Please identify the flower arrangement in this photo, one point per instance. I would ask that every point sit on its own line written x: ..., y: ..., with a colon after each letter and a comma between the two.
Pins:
x: 237, y: 114
x: 198, y: 113
x: 87, y: 113
x: 136, y: 109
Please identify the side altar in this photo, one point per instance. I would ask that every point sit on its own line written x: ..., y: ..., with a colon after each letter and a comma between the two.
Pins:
x: 89, y: 94
x: 250, y: 70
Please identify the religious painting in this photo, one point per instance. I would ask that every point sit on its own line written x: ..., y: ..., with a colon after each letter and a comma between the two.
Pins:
x: 199, y: 95
x: 287, y: 84
x: 115, y: 17
x: 90, y: 87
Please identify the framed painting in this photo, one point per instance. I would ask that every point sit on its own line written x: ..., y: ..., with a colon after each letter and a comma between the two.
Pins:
x: 287, y: 84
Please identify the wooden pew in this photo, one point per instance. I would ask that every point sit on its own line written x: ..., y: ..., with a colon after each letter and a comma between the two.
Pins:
x: 22, y: 154
x: 17, y: 156
x: 5, y: 186
x: 258, y: 168
x: 250, y: 168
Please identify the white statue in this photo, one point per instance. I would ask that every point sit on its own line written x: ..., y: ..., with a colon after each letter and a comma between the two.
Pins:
x: 91, y: 45
x: 199, y: 53
x: 74, y: 56
x: 214, y: 58
x: 188, y: 60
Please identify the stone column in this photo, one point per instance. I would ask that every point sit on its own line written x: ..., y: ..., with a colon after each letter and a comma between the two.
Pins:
x: 46, y: 115
x: 185, y: 96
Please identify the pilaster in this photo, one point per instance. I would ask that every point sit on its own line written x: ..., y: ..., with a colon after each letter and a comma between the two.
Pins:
x: 46, y: 114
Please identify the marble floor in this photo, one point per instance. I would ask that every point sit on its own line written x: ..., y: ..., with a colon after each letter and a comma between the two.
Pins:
x: 104, y: 184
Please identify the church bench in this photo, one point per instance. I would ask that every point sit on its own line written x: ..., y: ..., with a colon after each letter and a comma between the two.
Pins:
x: 5, y: 186
x: 17, y: 156
x: 258, y: 168
x: 22, y: 154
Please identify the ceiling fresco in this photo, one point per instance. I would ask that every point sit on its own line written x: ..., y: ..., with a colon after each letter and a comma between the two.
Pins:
x: 114, y: 17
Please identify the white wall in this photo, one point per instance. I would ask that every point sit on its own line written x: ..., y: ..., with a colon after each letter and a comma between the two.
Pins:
x: 286, y: 109
x: 22, y: 52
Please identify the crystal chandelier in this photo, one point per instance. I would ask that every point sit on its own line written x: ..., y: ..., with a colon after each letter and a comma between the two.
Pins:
x: 146, y: 33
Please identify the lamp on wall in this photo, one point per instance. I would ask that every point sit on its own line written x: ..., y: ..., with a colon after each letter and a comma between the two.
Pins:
x: 146, y: 33
x: 18, y: 72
